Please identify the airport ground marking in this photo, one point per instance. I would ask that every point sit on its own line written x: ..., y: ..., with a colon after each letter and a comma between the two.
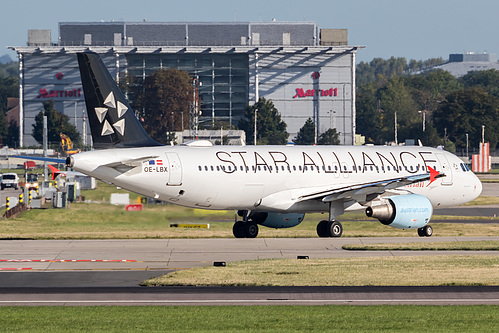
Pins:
x: 263, y: 301
x: 68, y: 260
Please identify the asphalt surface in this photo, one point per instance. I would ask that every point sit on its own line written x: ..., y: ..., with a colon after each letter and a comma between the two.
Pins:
x: 250, y: 296
x: 108, y: 272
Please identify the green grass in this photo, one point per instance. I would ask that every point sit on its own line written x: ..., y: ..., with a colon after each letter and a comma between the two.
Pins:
x: 483, y: 200
x: 105, y: 221
x: 330, y: 318
x: 437, y: 246
x: 97, y: 219
x: 438, y: 270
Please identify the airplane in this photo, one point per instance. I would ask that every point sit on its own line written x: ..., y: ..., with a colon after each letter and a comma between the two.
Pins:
x: 271, y: 186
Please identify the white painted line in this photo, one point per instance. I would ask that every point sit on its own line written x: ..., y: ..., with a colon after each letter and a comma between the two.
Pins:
x: 255, y: 301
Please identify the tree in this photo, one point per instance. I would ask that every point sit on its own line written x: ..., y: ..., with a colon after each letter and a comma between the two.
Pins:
x: 369, y: 116
x: 488, y: 80
x: 165, y: 102
x: 306, y: 134
x: 56, y: 123
x: 464, y: 112
x: 271, y: 130
x: 329, y: 137
x: 12, y: 138
x: 396, y: 98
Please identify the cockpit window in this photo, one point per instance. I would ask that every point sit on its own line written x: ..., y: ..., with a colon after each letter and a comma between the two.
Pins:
x: 465, y: 167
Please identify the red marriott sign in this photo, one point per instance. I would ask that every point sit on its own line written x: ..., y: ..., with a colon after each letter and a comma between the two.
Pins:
x: 44, y: 93
x: 300, y: 93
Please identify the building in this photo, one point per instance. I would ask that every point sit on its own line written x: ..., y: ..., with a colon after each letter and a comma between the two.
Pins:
x: 462, y: 63
x: 304, y: 70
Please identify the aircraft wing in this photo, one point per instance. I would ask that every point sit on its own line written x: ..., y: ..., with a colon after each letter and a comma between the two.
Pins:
x: 368, y: 191
x: 45, y: 159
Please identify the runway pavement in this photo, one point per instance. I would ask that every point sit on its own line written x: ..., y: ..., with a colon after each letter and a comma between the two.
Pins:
x: 173, y: 254
x: 369, y: 295
x: 108, y: 272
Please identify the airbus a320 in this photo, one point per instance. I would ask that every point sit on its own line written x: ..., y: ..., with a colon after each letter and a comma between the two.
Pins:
x: 271, y: 186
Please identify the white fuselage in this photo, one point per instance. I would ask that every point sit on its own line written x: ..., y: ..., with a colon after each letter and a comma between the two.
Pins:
x: 274, y: 178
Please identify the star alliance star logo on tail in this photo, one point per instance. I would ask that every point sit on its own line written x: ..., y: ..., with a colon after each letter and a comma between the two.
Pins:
x: 112, y: 105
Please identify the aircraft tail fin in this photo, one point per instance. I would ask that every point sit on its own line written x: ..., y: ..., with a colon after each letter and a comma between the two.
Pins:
x: 112, y: 121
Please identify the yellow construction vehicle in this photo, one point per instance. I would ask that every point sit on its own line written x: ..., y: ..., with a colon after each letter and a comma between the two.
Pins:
x: 67, y: 145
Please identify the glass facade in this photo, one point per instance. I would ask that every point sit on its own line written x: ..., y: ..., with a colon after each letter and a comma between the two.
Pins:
x: 224, y: 80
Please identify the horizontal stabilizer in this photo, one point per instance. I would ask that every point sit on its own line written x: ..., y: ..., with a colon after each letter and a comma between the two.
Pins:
x: 45, y: 159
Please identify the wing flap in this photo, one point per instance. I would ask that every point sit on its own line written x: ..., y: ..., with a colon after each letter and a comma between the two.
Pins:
x: 362, y: 192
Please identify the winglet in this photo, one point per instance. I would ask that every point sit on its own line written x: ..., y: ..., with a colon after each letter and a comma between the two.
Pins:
x: 434, y: 174
x: 55, y: 172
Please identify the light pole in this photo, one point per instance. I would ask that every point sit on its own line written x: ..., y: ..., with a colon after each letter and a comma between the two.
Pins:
x: 396, y: 138
x: 467, y: 154
x: 331, y: 112
x: 423, y: 112
x: 254, y: 134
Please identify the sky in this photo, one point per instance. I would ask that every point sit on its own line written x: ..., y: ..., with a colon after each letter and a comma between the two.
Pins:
x: 418, y: 30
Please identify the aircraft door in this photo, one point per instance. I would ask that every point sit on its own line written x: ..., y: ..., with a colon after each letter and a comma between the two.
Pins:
x: 174, y: 169
x: 445, y: 168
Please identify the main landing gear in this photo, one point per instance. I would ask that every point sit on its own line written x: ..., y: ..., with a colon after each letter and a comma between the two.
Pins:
x: 245, y: 229
x: 425, y: 231
x: 329, y: 229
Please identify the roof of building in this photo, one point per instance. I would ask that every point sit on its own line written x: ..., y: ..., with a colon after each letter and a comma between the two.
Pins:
x: 459, y: 69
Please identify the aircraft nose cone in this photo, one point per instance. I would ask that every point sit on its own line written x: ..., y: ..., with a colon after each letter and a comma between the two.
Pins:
x: 478, y: 186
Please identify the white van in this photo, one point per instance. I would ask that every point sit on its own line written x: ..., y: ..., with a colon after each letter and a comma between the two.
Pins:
x: 10, y: 180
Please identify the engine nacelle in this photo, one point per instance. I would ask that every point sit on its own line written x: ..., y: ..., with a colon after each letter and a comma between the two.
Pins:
x: 276, y: 220
x: 411, y: 211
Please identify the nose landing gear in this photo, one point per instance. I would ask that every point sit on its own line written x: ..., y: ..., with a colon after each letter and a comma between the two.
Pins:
x: 425, y: 231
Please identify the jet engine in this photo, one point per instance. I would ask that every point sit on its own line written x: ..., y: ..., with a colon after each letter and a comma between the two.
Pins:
x: 411, y: 211
x: 276, y: 220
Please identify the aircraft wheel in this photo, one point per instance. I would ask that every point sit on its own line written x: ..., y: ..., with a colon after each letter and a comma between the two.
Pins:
x: 238, y: 229
x: 425, y: 231
x: 322, y: 228
x: 250, y: 230
x: 334, y: 229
